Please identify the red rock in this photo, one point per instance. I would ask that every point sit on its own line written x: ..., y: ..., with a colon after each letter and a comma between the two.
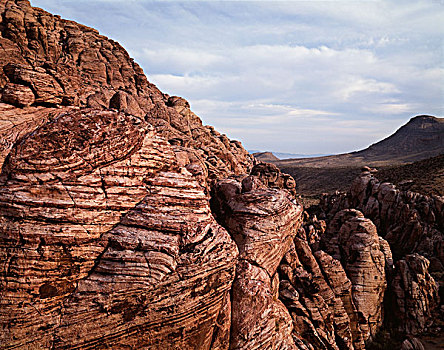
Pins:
x: 47, y: 90
x: 415, y: 295
x: 110, y: 225
x: 66, y: 63
x: 263, y: 223
x: 17, y: 95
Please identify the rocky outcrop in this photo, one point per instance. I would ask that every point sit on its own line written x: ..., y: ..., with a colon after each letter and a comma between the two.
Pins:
x: 17, y: 95
x: 336, y: 301
x: 48, y: 61
x: 106, y: 239
x: 364, y: 263
x: 319, y: 317
x: 412, y: 225
x: 17, y: 122
x: 410, y: 222
x: 414, y: 295
x: 263, y: 223
x: 271, y: 176
x: 126, y: 223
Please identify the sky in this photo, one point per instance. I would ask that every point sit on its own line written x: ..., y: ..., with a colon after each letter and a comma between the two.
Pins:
x: 306, y: 77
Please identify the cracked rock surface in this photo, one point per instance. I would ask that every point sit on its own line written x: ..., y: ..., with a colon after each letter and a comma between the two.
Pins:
x: 105, y: 236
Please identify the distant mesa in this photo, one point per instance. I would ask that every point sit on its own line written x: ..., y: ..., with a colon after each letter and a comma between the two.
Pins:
x: 421, y: 138
x: 415, y: 152
x: 265, y: 156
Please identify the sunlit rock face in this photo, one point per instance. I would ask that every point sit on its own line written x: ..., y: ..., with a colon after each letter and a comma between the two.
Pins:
x: 125, y: 223
x: 106, y: 239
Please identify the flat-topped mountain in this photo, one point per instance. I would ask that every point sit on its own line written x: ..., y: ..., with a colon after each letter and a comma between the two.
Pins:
x: 422, y: 137
x: 416, y: 141
x: 265, y: 156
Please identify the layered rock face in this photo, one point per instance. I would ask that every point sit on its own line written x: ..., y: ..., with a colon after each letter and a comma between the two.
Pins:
x: 410, y: 222
x: 103, y: 237
x: 412, y: 225
x: 263, y: 223
x: 127, y: 224
x: 335, y: 296
x: 48, y: 61
x: 414, y: 295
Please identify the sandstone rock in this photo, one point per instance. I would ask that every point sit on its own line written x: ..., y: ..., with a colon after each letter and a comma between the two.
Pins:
x: 107, y: 240
x: 414, y: 295
x: 409, y: 222
x: 45, y: 87
x: 364, y: 263
x: 259, y: 320
x: 107, y: 234
x: 364, y: 256
x: 346, y: 328
x: 66, y: 63
x: 17, y: 95
x: 412, y: 344
x: 271, y: 176
x: 126, y: 103
x: 263, y: 223
x: 17, y: 122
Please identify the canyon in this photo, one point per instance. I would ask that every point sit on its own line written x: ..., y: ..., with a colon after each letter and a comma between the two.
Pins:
x: 126, y: 223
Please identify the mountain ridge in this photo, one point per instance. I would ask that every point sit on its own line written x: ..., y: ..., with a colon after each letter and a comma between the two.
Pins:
x: 420, y: 138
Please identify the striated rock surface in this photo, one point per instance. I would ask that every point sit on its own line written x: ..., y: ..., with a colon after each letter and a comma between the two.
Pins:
x: 415, y: 295
x: 412, y: 225
x: 364, y: 263
x: 106, y: 239
x: 412, y: 344
x: 65, y: 63
x: 17, y: 95
x: 263, y: 223
x: 409, y: 221
x: 271, y: 176
x: 339, y: 295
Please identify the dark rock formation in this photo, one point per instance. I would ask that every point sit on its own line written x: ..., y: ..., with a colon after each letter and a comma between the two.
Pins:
x: 412, y: 225
x: 265, y: 156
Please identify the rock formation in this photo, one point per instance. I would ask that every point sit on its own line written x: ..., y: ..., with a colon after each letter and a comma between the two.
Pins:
x: 48, y: 61
x: 263, y: 223
x: 126, y: 223
x: 103, y: 235
x: 412, y: 227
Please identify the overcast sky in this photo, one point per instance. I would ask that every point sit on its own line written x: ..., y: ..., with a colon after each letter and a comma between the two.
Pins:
x: 289, y: 76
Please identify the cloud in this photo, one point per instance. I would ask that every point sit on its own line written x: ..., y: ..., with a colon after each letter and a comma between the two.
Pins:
x: 301, y: 77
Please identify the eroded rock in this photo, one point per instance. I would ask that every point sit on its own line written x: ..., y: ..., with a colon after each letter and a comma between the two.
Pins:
x: 104, y: 236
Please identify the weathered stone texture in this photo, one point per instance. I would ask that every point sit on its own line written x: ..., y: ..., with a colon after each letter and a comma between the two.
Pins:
x: 106, y: 240
x: 66, y: 63
x: 263, y: 223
